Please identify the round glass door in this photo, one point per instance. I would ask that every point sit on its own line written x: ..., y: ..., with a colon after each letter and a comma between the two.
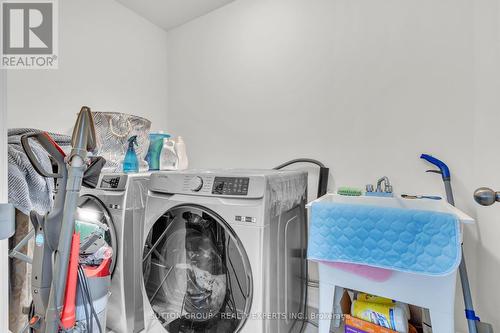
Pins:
x: 96, y: 229
x: 196, y: 272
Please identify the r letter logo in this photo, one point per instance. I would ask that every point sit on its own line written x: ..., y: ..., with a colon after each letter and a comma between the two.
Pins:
x: 29, y: 34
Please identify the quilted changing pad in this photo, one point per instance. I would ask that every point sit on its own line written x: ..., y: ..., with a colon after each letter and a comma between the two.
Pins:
x: 406, y: 240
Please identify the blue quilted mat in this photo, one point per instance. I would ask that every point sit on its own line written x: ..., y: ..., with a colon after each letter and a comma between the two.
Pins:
x: 414, y: 241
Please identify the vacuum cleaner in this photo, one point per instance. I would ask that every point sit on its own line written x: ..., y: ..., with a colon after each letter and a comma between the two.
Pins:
x: 482, y: 195
x: 54, y: 276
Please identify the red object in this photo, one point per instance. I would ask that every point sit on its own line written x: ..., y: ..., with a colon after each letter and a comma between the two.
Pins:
x: 68, y: 317
x: 47, y: 135
x: 100, y: 271
x: 34, y: 320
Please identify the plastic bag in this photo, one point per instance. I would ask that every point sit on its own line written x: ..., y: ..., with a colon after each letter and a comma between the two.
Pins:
x: 113, y: 129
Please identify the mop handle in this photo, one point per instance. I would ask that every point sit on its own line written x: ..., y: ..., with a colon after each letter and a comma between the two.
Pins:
x: 462, y: 269
x: 445, y: 173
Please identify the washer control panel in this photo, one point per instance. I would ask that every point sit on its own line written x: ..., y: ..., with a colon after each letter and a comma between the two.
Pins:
x: 231, y: 185
x: 209, y: 184
x: 113, y: 182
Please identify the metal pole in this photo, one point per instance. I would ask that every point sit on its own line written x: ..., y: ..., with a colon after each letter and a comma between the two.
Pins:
x: 449, y: 192
x: 462, y: 269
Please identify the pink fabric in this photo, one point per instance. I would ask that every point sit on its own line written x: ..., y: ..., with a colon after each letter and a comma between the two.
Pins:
x: 372, y: 273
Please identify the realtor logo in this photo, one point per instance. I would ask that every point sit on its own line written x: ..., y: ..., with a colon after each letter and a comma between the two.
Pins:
x: 29, y: 34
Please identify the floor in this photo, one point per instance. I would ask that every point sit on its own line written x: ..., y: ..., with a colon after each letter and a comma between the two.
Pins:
x: 311, y: 329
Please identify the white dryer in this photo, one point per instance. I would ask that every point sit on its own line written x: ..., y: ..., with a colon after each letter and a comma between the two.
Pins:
x: 225, y: 251
x: 119, y: 201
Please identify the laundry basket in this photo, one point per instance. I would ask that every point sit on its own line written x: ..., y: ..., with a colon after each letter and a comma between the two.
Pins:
x: 99, y: 289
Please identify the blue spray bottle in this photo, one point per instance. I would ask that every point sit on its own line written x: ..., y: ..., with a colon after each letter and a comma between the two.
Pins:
x: 131, y: 162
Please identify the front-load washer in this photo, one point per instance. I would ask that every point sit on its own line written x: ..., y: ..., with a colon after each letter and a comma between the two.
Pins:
x: 119, y: 201
x: 225, y: 251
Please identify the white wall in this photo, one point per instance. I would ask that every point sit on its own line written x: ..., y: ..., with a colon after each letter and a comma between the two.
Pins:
x: 111, y: 59
x: 4, y: 259
x: 365, y: 86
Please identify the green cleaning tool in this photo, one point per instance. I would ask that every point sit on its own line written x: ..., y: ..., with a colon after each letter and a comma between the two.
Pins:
x: 349, y: 191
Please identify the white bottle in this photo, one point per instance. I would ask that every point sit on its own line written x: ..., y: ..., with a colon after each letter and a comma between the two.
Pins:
x: 182, y: 158
x: 168, y: 159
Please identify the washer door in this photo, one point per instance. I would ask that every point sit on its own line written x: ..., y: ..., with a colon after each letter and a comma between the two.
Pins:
x: 91, y: 211
x: 196, y: 272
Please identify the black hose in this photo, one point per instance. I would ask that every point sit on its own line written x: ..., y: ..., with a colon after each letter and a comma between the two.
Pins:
x: 300, y: 160
x: 88, y: 295
x: 324, y: 172
x: 81, y: 289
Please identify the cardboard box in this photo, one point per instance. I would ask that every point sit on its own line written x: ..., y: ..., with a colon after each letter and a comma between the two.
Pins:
x: 355, y: 325
x: 421, y: 319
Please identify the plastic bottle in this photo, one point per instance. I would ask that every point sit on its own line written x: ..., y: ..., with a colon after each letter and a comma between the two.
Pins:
x: 168, y: 159
x: 154, y: 152
x: 131, y: 162
x: 364, y: 297
x: 390, y: 316
x: 180, y: 149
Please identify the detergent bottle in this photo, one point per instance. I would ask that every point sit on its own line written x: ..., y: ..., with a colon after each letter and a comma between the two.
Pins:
x: 180, y: 149
x: 169, y: 158
x: 131, y: 162
x: 388, y: 315
x: 155, y: 148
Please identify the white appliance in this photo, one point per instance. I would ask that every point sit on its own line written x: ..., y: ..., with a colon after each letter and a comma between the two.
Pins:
x: 225, y: 251
x: 119, y: 201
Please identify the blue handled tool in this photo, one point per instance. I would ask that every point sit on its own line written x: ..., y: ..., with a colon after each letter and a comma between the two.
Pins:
x: 443, y: 168
x: 445, y: 173
x: 473, y: 321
